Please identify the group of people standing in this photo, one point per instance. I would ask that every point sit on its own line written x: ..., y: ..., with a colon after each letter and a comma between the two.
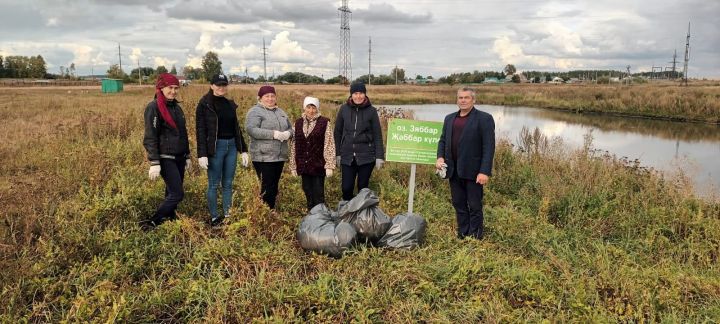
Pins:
x: 309, y: 145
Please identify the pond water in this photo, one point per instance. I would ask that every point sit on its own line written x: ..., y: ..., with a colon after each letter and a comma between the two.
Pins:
x: 663, y: 145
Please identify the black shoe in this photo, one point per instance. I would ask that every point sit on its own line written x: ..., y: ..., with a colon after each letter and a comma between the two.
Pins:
x: 217, y: 221
x: 148, y: 225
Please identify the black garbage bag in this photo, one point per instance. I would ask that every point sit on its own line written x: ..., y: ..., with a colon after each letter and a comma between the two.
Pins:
x: 363, y: 213
x: 319, y: 232
x: 407, y: 232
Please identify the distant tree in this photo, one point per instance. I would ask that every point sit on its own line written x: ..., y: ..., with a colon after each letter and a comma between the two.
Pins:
x: 548, y: 77
x: 211, y: 64
x: 509, y: 69
x: 418, y: 77
x: 516, y: 78
x: 173, y: 70
x: 429, y: 77
x: 536, y: 80
x: 298, y: 77
x: 2, y: 67
x: 397, y: 73
x: 114, y: 72
x: 334, y: 80
x: 72, y: 70
x: 37, y: 67
x: 161, y: 69
x: 192, y: 73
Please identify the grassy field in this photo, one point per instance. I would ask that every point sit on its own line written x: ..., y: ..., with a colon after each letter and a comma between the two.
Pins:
x: 572, y: 235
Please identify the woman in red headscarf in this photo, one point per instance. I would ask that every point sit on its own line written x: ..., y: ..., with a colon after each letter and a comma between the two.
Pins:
x: 167, y: 146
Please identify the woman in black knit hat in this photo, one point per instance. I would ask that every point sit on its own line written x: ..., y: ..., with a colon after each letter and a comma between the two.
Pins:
x: 358, y: 140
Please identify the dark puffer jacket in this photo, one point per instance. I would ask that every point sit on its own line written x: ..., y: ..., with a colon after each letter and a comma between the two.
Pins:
x: 358, y: 134
x: 161, y: 140
x: 206, y: 131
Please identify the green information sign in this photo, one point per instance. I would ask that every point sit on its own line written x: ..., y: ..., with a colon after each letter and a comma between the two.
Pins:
x: 413, y: 141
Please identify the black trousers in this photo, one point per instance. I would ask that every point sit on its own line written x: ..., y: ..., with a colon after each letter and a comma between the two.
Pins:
x: 269, y: 174
x: 352, y: 172
x: 467, y: 196
x: 314, y: 188
x: 173, y: 173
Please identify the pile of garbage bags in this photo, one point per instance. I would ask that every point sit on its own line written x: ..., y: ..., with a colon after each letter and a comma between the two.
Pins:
x: 359, y: 220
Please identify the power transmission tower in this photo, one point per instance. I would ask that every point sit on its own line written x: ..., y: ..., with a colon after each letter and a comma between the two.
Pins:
x: 265, y: 62
x: 674, y: 63
x: 345, y: 63
x: 628, y: 74
x: 369, y: 59
x: 687, y: 57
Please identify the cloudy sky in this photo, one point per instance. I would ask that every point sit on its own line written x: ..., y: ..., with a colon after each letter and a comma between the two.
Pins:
x: 426, y: 37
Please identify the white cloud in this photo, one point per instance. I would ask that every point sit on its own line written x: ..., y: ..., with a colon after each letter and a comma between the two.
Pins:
x: 135, y: 55
x: 51, y: 22
x: 164, y: 61
x: 285, y: 50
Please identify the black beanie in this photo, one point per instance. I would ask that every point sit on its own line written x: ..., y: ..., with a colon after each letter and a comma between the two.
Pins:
x: 357, y: 87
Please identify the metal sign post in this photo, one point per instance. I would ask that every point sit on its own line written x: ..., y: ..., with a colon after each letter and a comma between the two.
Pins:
x: 411, y: 190
x: 414, y: 142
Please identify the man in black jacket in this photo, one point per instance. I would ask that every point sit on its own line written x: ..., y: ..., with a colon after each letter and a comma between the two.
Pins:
x: 466, y: 149
x: 358, y: 140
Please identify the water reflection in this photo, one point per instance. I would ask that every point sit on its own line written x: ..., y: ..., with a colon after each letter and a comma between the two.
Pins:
x: 663, y: 145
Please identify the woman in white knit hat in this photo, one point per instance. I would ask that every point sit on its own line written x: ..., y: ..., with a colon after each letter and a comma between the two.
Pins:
x: 312, y: 151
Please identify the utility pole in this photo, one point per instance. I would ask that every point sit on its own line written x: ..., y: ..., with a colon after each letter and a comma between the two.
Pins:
x: 265, y: 62
x: 345, y: 60
x: 120, y: 59
x: 369, y: 60
x: 396, y: 71
x: 687, y: 57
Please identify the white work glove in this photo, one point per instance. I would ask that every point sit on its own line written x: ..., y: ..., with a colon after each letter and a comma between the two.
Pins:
x: 245, y: 159
x: 154, y: 171
x: 328, y: 172
x: 203, y: 162
x: 379, y: 163
x: 188, y: 165
x: 277, y: 135
x: 442, y: 172
x: 293, y: 173
x: 339, y: 159
x: 288, y: 134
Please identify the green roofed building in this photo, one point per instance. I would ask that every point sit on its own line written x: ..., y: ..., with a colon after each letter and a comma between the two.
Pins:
x: 112, y: 85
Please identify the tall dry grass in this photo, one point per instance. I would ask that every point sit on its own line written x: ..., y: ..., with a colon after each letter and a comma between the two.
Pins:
x: 572, y: 235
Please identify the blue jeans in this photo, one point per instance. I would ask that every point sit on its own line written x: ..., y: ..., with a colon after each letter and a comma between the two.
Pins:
x: 221, y: 167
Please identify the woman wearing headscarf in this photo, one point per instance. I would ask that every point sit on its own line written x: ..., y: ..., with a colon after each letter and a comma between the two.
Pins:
x: 167, y: 146
x: 312, y: 151
x: 358, y: 139
x: 269, y: 129
x: 218, y: 142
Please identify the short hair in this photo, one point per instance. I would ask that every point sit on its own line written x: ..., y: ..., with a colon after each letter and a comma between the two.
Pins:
x: 467, y: 89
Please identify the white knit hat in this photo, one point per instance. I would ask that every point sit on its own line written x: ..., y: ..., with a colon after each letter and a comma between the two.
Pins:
x: 311, y: 101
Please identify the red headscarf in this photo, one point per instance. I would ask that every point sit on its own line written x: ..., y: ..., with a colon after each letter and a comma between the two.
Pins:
x: 164, y: 80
